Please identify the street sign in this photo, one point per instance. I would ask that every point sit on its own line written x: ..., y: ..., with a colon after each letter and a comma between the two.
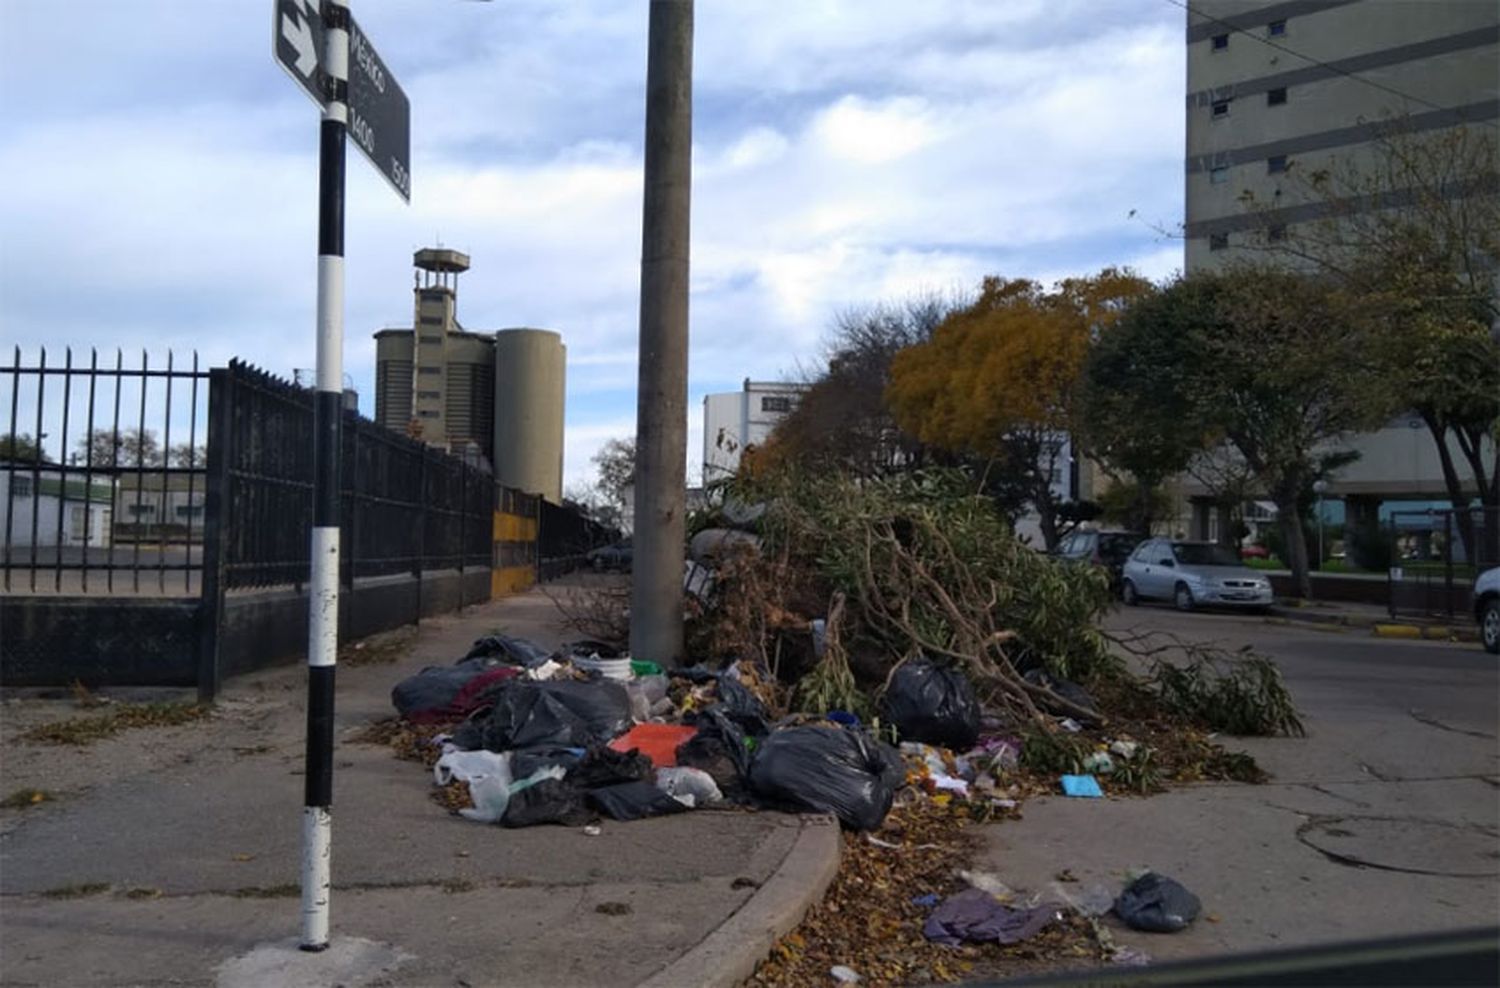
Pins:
x: 297, y: 40
x: 379, y: 112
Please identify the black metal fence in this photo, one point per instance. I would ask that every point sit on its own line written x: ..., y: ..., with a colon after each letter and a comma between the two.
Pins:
x: 103, y: 471
x: 565, y: 538
x: 1436, y: 555
x: 406, y: 507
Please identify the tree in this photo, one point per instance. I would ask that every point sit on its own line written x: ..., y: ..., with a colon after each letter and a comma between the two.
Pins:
x: 1000, y: 379
x: 21, y: 448
x: 130, y: 448
x: 1139, y: 431
x: 842, y: 421
x: 1276, y: 365
x: 615, y: 466
x: 1415, y: 229
x: 188, y: 455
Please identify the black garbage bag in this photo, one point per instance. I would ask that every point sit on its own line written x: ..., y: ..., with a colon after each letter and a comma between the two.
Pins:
x: 525, y: 762
x: 718, y: 749
x: 588, y: 647
x: 1070, y: 691
x: 933, y: 704
x: 603, y: 766
x: 695, y: 674
x: 440, y: 693
x: 743, y: 707
x: 564, y: 713
x: 521, y: 651
x: 633, y: 801
x: 829, y: 770
x: 1157, y: 904
x: 548, y: 801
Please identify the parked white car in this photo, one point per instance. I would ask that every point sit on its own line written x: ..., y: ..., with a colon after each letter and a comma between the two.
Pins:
x: 1487, y: 608
x: 1190, y: 574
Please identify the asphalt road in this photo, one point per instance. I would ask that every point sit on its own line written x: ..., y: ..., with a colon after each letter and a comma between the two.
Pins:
x: 1383, y: 821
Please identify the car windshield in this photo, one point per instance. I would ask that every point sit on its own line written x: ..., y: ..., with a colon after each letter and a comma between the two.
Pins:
x: 1201, y: 554
x: 1117, y: 548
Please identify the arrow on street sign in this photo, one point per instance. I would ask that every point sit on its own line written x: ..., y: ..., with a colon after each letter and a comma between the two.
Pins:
x: 379, y: 112
x: 297, y: 39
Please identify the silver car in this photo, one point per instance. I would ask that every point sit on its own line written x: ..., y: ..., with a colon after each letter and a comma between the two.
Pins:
x: 1190, y: 574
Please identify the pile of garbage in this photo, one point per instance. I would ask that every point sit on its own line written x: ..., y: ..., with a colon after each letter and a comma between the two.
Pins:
x: 569, y: 736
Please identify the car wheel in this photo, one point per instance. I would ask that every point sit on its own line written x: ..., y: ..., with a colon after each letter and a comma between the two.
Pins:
x: 1489, y: 628
x: 1128, y: 594
x: 599, y: 566
x: 1183, y: 597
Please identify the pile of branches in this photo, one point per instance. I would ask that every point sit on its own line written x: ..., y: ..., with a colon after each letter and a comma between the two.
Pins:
x: 920, y: 565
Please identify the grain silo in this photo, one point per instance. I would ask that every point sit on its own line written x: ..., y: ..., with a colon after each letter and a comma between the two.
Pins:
x: 530, y: 369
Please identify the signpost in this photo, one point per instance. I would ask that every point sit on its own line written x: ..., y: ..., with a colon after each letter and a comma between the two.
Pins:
x: 316, y: 46
x: 379, y: 112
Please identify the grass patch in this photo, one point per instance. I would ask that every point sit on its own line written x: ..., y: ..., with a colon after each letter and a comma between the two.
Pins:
x: 82, y: 731
x: 287, y: 891
x: 23, y: 799
x: 76, y: 891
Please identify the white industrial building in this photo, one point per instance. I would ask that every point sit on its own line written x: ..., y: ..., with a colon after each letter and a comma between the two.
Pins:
x: 734, y: 420
x: 40, y: 506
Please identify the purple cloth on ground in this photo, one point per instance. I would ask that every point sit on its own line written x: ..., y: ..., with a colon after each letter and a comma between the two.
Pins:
x: 974, y: 914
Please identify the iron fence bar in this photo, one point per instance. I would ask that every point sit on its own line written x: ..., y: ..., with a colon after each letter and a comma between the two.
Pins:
x: 187, y: 580
x: 62, y: 470
x: 166, y: 454
x: 140, y: 476
x: 212, y: 585
x: 10, y: 461
x: 36, y: 470
x: 114, y: 463
x: 88, y: 469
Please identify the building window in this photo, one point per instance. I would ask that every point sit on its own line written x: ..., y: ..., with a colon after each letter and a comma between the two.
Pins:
x: 20, y: 486
x: 1276, y: 28
x: 432, y: 338
x: 1276, y: 164
x: 429, y: 413
x: 1276, y: 97
x: 429, y: 394
x: 1218, y: 176
x: 1276, y: 234
x: 190, y: 511
x: 1220, y: 108
x: 775, y: 403
x: 1218, y: 241
x: 1221, y: 42
x: 141, y: 510
x: 429, y: 370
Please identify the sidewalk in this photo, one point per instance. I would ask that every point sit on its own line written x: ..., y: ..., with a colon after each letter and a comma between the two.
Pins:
x: 172, y: 855
x: 1378, y: 621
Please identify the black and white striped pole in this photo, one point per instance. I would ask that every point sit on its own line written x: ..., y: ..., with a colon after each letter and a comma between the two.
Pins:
x: 323, y: 615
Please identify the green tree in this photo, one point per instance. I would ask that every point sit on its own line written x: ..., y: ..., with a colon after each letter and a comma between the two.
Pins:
x: 1415, y: 229
x: 130, y: 448
x: 614, y: 464
x: 1276, y: 365
x: 21, y: 448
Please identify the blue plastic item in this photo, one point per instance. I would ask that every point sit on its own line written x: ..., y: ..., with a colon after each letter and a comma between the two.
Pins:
x: 843, y: 717
x: 1082, y: 785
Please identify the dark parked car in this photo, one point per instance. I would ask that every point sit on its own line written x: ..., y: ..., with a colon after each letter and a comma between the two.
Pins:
x: 608, y: 557
x: 1107, y: 549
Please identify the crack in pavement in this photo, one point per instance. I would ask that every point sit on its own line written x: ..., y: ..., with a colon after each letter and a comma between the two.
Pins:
x: 1317, y: 820
x: 1431, y: 721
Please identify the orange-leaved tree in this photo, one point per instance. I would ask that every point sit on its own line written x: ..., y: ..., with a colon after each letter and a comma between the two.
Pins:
x: 1000, y: 379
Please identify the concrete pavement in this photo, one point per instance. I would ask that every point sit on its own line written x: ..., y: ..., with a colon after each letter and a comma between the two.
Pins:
x: 1384, y: 820
x: 178, y: 863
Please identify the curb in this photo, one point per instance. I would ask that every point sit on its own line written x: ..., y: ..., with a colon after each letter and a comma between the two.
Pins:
x: 1431, y: 632
x: 730, y: 953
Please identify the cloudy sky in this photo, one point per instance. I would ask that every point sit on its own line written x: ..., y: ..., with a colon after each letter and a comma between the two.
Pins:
x: 160, y: 173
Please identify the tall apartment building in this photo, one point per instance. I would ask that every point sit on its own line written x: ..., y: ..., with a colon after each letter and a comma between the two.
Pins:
x: 1299, y: 84
x: 1274, y: 89
x: 497, y: 395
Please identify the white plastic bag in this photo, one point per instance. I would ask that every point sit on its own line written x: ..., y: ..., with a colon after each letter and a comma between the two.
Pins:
x: 488, y: 776
x: 689, y: 786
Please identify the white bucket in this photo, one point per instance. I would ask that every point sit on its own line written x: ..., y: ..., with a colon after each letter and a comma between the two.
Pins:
x: 608, y: 668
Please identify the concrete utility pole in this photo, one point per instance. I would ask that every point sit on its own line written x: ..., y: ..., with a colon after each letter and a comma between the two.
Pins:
x: 661, y: 409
